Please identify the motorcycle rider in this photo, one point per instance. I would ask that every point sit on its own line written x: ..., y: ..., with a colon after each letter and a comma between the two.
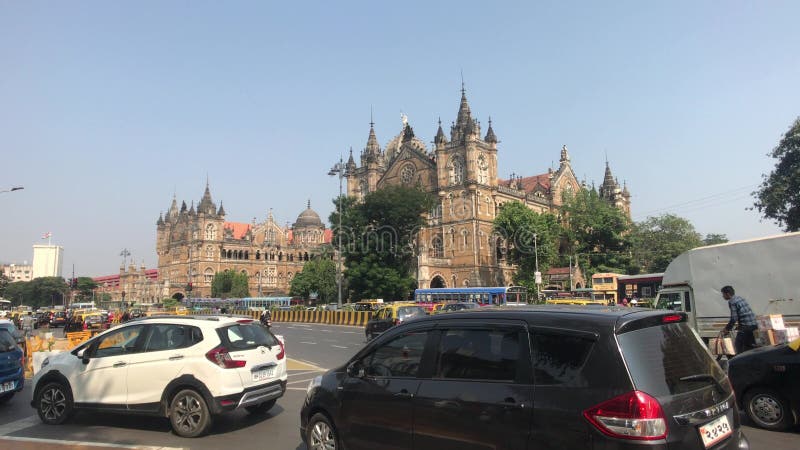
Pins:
x: 266, y: 318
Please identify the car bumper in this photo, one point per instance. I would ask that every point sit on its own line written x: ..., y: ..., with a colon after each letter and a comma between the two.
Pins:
x: 250, y: 396
x: 17, y: 377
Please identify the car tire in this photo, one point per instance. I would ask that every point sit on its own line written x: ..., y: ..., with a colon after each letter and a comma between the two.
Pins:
x: 768, y: 409
x: 189, y: 414
x: 261, y: 408
x: 321, y: 434
x: 54, y: 403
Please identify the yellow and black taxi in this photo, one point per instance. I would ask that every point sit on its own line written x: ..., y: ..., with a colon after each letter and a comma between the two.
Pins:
x: 392, y: 314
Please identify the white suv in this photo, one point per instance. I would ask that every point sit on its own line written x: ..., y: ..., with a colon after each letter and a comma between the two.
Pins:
x: 185, y: 368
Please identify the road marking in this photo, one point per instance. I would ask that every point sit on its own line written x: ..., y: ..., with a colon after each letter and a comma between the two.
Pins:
x: 306, y: 365
x: 303, y: 373
x: 19, y: 425
x: 85, y: 443
x: 300, y: 381
x: 296, y: 389
x: 306, y: 342
x: 337, y: 346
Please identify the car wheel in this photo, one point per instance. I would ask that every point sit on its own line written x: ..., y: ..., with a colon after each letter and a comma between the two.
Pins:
x: 768, y: 409
x: 54, y: 403
x: 321, y: 434
x: 189, y: 414
x: 5, y: 397
x: 261, y: 408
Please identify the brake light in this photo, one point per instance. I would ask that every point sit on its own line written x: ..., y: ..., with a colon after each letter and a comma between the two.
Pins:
x: 671, y: 318
x: 634, y: 415
x: 244, y: 320
x: 221, y: 357
x: 281, y: 354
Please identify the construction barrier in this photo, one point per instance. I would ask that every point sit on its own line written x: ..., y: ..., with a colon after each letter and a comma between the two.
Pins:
x: 352, y: 318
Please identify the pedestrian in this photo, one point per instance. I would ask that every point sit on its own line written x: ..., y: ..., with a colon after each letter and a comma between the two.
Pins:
x: 742, y: 315
x: 27, y: 324
x: 624, y: 301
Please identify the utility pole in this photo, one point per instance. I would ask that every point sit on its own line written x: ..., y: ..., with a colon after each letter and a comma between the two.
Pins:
x: 339, y: 169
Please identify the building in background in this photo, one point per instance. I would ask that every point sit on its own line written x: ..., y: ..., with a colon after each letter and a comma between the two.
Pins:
x: 17, y: 272
x: 458, y: 247
x: 131, y: 286
x: 47, y: 260
x: 194, y: 244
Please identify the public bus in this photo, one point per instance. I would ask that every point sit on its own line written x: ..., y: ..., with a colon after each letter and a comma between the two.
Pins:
x: 262, y: 303
x: 511, y: 295
x: 83, y: 305
x: 5, y: 307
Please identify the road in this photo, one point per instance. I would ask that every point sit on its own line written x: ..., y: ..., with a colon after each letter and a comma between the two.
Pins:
x: 310, y: 348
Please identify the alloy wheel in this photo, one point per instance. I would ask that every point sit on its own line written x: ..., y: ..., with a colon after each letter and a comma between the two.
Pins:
x: 189, y: 413
x: 322, y: 437
x: 53, y: 403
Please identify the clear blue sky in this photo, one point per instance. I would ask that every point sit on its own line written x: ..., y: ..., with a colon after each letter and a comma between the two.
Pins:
x: 108, y: 108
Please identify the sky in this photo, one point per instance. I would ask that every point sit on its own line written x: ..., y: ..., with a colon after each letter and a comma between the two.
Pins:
x: 108, y: 109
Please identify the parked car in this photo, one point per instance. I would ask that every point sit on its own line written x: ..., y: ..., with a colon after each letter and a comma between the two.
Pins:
x: 12, y: 373
x: 186, y: 368
x: 543, y: 377
x: 767, y: 385
x: 390, y: 315
x: 59, y: 319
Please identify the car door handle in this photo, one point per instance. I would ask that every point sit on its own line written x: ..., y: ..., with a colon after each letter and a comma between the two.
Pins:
x: 120, y: 364
x: 404, y: 394
x: 175, y: 357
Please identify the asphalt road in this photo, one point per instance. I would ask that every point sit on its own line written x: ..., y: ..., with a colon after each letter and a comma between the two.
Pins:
x: 321, y: 346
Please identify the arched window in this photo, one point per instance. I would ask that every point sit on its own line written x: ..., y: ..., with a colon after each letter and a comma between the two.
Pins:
x: 305, y: 256
x: 209, y: 252
x: 258, y: 254
x: 452, y: 238
x: 464, y: 237
x: 211, y: 232
x: 246, y: 254
x: 208, y: 275
x: 289, y: 276
x: 280, y: 256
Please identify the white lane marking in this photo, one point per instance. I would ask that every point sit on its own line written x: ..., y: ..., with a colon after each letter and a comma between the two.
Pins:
x: 295, y: 389
x: 350, y: 332
x: 309, y: 363
x: 303, y: 373
x: 19, y: 425
x: 300, y: 381
x: 305, y: 342
x: 337, y: 346
x: 86, y: 443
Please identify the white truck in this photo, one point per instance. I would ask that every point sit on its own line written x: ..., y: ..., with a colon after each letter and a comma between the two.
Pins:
x: 764, y: 271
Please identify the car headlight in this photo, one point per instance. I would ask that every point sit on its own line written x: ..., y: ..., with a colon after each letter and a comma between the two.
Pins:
x: 313, y: 384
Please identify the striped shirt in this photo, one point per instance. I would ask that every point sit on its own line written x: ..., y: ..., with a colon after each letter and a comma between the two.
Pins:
x: 740, y: 312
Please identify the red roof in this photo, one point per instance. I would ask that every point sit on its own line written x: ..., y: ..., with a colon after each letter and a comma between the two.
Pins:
x: 529, y: 183
x: 238, y: 229
x: 558, y: 271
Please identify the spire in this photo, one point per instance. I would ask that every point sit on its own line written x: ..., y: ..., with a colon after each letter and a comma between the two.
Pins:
x: 160, y: 219
x: 625, y: 192
x: 183, y: 207
x: 609, y: 185
x: 270, y: 217
x: 351, y: 163
x: 408, y: 133
x: 373, y: 149
x: 564, y: 154
x: 206, y: 205
x: 440, y: 137
x: 173, y: 209
x: 221, y: 211
x: 490, y: 136
x: 309, y: 203
x: 464, y: 124
x: 191, y: 210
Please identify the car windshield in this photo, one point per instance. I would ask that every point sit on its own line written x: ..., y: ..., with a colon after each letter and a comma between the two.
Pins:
x: 669, y: 359
x: 410, y: 311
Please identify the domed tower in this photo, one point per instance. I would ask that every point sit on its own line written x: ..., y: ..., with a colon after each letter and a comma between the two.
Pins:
x: 308, y: 229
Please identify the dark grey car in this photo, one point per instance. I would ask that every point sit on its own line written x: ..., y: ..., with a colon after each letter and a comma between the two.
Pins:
x: 530, y: 377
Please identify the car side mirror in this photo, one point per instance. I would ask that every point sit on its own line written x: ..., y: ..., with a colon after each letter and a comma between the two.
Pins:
x: 82, y: 355
x: 355, y: 370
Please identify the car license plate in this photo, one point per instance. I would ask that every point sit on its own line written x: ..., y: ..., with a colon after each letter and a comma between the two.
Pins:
x: 8, y: 386
x: 715, y: 431
x: 263, y: 374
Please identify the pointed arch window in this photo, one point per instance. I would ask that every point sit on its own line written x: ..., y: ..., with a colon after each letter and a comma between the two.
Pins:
x: 211, y: 232
x: 483, y: 170
x: 209, y: 252
x: 208, y: 275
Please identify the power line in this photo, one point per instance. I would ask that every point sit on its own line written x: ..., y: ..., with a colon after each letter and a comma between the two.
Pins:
x: 704, y: 201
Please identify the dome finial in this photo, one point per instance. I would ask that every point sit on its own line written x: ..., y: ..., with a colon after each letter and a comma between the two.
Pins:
x: 309, y: 203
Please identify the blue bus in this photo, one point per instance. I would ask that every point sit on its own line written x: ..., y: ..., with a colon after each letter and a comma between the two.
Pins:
x: 511, y: 295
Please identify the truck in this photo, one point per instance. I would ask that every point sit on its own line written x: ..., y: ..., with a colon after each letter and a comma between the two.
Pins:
x: 763, y: 271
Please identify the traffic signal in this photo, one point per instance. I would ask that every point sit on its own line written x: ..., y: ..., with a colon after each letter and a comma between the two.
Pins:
x: 189, y: 286
x: 74, y: 283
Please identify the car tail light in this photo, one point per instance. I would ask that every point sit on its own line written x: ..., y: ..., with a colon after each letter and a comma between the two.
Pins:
x: 671, y: 318
x: 281, y: 354
x: 221, y: 357
x: 634, y: 415
x: 244, y: 320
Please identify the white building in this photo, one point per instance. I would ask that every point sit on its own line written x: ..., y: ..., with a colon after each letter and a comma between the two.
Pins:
x: 18, y: 272
x: 47, y: 260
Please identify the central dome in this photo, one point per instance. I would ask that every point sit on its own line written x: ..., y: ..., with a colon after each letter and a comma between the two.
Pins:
x: 308, y: 218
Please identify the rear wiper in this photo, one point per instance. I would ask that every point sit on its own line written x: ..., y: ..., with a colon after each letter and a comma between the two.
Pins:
x: 705, y: 377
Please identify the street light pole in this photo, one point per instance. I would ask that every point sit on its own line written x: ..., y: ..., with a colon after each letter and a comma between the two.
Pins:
x: 338, y: 169
x: 537, y: 275
x: 15, y: 188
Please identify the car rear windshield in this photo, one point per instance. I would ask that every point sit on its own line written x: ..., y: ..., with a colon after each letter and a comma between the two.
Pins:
x: 410, y: 311
x: 669, y: 359
x: 7, y: 341
x: 247, y: 336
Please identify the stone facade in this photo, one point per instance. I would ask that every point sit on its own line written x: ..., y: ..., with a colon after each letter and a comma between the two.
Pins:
x: 457, y: 247
x: 192, y: 245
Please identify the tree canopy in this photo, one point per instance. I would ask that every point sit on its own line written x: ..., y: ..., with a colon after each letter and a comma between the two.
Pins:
x: 658, y: 240
x: 778, y: 197
x: 230, y: 284
x: 318, y: 275
x: 379, y: 240
x: 517, y: 225
x: 44, y: 291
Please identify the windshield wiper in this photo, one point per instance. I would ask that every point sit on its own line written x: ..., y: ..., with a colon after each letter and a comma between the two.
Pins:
x: 705, y: 377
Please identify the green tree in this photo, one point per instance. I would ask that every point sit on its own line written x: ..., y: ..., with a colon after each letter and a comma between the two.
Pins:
x: 713, y: 239
x: 4, y: 281
x: 44, y: 291
x: 517, y: 225
x: 658, y: 240
x: 318, y: 275
x: 379, y: 240
x: 86, y: 287
x: 230, y: 284
x: 596, y: 231
x: 778, y: 197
